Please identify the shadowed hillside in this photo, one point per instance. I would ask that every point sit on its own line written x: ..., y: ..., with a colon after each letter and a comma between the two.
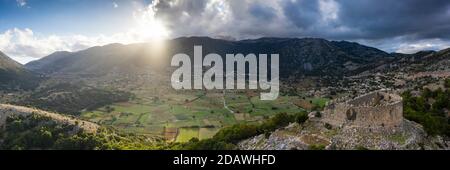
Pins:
x: 308, y: 56
x: 13, y: 76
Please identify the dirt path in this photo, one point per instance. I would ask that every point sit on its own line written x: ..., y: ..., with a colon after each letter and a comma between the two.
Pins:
x: 225, y: 103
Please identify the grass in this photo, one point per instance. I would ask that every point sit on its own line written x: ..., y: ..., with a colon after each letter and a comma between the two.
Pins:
x: 206, y: 133
x: 186, y: 134
x: 321, y: 102
x: 399, y: 138
x: 173, y: 110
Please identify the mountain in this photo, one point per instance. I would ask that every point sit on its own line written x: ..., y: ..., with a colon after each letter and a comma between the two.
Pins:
x: 14, y: 76
x: 95, y: 60
x: 306, y: 56
x: 422, y: 61
x: 44, y: 62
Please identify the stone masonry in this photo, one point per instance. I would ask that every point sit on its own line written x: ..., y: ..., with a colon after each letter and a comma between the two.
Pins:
x: 372, y: 110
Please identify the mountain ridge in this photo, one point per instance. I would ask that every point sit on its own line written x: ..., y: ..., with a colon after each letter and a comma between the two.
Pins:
x: 298, y: 55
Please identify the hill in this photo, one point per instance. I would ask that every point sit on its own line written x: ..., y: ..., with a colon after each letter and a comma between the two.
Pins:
x: 26, y: 128
x: 7, y: 110
x: 14, y: 76
x: 72, y: 99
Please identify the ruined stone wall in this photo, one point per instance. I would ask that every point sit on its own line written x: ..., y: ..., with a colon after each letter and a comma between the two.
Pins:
x: 377, y: 109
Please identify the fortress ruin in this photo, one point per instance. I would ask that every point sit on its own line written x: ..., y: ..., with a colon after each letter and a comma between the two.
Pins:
x: 376, y: 109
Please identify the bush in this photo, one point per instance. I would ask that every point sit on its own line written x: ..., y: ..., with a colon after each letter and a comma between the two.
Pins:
x: 361, y: 148
x: 316, y: 147
x: 207, y: 144
x: 318, y: 114
x: 431, y: 117
x: 235, y: 133
x: 301, y: 117
x: 447, y: 83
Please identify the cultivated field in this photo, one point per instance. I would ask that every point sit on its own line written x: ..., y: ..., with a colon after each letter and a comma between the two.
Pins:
x: 182, y: 116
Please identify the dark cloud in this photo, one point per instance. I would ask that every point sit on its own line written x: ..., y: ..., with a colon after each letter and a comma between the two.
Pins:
x: 387, y: 18
x: 370, y: 21
x: 304, y: 14
x: 261, y: 11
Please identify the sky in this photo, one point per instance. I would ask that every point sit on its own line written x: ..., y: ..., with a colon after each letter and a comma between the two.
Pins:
x: 31, y: 29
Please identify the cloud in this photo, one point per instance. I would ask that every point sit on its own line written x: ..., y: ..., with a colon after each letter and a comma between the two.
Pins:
x: 394, y: 26
x: 21, y: 3
x: 427, y: 44
x: 25, y: 45
x: 373, y: 21
x: 389, y: 25
x: 115, y: 5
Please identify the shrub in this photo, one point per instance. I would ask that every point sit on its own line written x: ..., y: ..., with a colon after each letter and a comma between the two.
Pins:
x: 432, y: 118
x: 301, y: 117
x: 318, y: 114
x: 361, y: 148
x: 447, y: 83
x: 316, y: 147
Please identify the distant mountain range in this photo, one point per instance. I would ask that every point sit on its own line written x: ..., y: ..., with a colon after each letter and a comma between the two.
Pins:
x: 298, y: 57
x: 307, y: 56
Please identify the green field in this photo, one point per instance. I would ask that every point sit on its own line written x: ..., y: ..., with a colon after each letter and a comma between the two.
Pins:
x: 185, y: 134
x: 321, y: 102
x: 197, y: 114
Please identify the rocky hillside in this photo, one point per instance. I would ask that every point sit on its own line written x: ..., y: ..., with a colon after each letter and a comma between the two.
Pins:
x: 7, y: 110
x: 23, y: 128
x: 422, y: 61
x: 314, y: 134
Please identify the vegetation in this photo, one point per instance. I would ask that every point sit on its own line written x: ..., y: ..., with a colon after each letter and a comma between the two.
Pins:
x: 190, y: 114
x: 185, y: 134
x: 362, y: 148
x: 13, y: 77
x: 316, y: 147
x: 72, y: 99
x: 447, y: 83
x: 301, y: 117
x: 228, y: 137
x: 429, y: 109
x: 38, y: 132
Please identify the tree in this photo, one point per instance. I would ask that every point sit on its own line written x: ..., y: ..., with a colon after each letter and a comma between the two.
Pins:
x: 447, y: 83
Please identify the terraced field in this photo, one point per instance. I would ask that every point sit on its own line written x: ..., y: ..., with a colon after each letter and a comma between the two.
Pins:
x: 180, y: 117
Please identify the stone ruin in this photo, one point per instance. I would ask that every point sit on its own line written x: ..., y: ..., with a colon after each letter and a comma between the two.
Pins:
x: 373, y: 110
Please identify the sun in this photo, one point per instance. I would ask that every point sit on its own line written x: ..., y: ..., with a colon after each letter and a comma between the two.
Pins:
x: 149, y: 27
x: 152, y: 30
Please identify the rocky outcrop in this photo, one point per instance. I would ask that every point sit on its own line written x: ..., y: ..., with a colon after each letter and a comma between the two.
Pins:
x: 315, y: 134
